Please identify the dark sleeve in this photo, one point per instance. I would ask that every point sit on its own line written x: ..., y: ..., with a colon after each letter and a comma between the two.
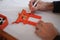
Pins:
x: 56, y: 6
x: 57, y: 37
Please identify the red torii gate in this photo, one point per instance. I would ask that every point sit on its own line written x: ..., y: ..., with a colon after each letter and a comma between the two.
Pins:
x: 24, y: 16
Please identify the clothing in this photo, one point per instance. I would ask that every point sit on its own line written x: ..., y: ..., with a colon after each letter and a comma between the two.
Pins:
x: 57, y: 37
x: 56, y: 9
x: 56, y: 6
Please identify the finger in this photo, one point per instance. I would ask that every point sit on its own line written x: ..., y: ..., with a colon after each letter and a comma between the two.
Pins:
x: 33, y: 1
x: 40, y: 34
x: 31, y: 7
x: 40, y: 24
x: 35, y: 8
x: 38, y: 5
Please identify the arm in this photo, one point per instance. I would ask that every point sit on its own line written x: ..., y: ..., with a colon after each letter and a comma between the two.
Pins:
x: 45, y: 6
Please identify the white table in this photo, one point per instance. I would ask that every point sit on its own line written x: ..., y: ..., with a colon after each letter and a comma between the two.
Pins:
x: 10, y: 8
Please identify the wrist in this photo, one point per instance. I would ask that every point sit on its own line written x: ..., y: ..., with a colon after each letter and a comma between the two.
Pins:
x: 50, y: 6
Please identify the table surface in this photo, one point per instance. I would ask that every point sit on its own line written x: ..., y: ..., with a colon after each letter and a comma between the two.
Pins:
x: 10, y: 8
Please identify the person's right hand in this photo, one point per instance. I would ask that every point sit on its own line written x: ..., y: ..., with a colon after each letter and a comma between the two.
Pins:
x: 42, y: 6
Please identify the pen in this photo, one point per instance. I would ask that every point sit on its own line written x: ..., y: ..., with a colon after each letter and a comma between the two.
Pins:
x: 35, y: 3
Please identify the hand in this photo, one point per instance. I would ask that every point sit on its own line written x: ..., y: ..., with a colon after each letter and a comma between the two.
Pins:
x: 46, y: 31
x: 42, y: 6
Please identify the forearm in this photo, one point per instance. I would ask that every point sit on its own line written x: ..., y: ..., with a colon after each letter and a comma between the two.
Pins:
x: 55, y: 6
x: 50, y: 6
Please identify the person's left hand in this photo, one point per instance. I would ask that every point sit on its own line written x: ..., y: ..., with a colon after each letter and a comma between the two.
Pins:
x: 46, y: 31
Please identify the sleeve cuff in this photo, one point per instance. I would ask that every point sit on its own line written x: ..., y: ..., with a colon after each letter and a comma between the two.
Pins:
x: 56, y: 5
x: 57, y: 37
